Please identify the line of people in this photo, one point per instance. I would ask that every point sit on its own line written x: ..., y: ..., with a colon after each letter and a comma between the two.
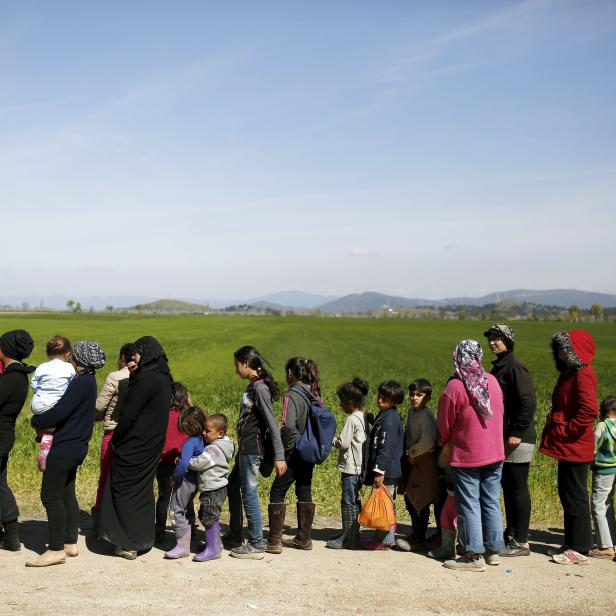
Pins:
x: 482, y: 439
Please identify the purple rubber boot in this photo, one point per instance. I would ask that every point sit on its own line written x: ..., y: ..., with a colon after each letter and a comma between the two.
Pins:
x: 213, y: 544
x: 182, y: 548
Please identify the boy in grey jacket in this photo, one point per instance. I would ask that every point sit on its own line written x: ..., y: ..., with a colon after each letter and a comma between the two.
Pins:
x: 213, y: 468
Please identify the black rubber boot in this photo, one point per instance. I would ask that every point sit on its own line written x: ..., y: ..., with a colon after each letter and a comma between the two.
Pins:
x: 276, y: 513
x: 305, y: 516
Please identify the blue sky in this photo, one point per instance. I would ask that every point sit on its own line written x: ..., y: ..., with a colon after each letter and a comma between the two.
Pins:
x: 199, y: 150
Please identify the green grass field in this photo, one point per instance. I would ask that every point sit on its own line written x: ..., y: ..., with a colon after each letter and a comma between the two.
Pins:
x: 200, y: 350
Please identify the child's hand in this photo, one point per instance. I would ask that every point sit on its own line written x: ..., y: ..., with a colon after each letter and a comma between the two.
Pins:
x: 410, y: 457
x: 378, y: 480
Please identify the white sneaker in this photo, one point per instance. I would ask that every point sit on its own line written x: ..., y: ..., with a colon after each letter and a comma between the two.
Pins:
x: 570, y: 557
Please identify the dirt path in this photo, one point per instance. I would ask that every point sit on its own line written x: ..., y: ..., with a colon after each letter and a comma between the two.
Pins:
x: 318, y: 582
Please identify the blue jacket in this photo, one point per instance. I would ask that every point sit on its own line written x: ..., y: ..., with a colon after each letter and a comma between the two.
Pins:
x: 191, y: 448
x: 387, y: 445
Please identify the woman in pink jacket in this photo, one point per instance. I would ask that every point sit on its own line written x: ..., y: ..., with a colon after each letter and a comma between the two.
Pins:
x: 568, y: 437
x: 470, y: 421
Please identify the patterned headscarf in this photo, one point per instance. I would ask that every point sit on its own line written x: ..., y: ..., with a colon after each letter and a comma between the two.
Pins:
x: 467, y: 358
x: 89, y: 354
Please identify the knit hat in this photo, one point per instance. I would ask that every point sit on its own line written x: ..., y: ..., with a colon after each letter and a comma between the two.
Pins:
x: 89, y: 354
x: 16, y: 344
x: 502, y: 330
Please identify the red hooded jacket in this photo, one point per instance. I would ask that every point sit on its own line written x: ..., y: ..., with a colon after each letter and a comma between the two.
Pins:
x: 568, y: 433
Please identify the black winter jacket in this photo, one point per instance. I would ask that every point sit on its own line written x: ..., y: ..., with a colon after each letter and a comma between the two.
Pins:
x: 13, y: 394
x: 519, y: 397
x: 387, y: 445
x: 73, y: 418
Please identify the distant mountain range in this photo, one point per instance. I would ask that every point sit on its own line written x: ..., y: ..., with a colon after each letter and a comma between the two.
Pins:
x: 355, y: 302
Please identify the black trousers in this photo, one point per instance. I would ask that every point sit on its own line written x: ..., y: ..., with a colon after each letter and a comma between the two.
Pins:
x: 58, y: 498
x: 8, y: 506
x: 517, y: 500
x: 573, y: 493
x: 298, y: 472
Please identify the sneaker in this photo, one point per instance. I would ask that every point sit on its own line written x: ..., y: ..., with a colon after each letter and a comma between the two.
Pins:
x: 515, y: 548
x: 248, y: 551
x: 571, y: 557
x: 492, y: 559
x: 468, y: 562
x: 403, y: 544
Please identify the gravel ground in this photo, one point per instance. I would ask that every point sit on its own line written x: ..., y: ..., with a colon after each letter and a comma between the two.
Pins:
x: 321, y: 581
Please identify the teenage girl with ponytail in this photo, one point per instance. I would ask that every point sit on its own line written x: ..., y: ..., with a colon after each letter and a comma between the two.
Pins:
x: 302, y: 377
x: 256, y: 418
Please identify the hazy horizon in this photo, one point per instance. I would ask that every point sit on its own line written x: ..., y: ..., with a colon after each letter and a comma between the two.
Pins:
x: 418, y: 149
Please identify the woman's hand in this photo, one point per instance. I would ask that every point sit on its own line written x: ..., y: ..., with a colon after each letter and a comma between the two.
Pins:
x: 512, y: 442
x: 280, y: 466
x: 378, y: 480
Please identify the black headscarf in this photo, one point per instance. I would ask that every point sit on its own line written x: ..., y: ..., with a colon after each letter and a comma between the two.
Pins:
x: 150, y: 350
x: 152, y: 356
x: 17, y: 344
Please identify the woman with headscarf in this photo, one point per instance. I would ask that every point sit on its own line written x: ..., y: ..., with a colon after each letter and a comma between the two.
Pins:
x: 568, y: 437
x: 15, y: 346
x: 127, y: 512
x: 73, y: 419
x: 519, y: 435
x: 470, y: 421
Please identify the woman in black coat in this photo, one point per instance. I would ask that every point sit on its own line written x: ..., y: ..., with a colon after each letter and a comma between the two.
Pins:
x: 127, y: 512
x: 519, y: 435
x: 15, y: 346
x: 73, y: 419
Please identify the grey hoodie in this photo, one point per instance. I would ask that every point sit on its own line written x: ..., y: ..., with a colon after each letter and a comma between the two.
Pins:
x: 213, y: 464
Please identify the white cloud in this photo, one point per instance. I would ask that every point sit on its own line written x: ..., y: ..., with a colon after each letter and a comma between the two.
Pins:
x: 363, y: 252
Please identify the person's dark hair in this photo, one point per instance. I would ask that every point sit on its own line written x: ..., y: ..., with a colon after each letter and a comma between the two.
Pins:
x: 58, y: 346
x: 192, y: 421
x: 305, y: 371
x: 352, y: 394
x: 180, y: 397
x: 392, y: 392
x: 127, y: 352
x: 253, y: 359
x: 607, y: 406
x: 423, y: 386
x: 219, y: 420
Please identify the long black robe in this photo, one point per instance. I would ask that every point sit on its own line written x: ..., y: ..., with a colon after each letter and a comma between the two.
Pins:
x: 127, y: 512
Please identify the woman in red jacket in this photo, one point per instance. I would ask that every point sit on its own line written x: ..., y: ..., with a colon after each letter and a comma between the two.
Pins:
x: 568, y: 437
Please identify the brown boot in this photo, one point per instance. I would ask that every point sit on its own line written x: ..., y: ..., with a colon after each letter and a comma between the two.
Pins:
x: 305, y: 515
x: 276, y: 512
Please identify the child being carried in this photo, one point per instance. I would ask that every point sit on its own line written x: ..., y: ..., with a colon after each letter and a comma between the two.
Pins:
x: 213, y: 467
x: 49, y: 383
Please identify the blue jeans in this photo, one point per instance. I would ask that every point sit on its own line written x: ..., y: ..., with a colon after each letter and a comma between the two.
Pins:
x: 480, y: 521
x: 243, y: 492
x: 350, y: 491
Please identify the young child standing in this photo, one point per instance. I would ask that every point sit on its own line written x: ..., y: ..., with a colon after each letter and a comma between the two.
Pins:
x: 603, y: 474
x: 256, y: 421
x: 350, y: 460
x: 184, y: 480
x: 386, y: 451
x: 213, y: 467
x: 49, y: 383
x: 174, y: 440
x: 421, y: 487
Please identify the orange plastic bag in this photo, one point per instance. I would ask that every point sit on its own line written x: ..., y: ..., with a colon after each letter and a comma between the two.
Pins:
x: 378, y: 511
